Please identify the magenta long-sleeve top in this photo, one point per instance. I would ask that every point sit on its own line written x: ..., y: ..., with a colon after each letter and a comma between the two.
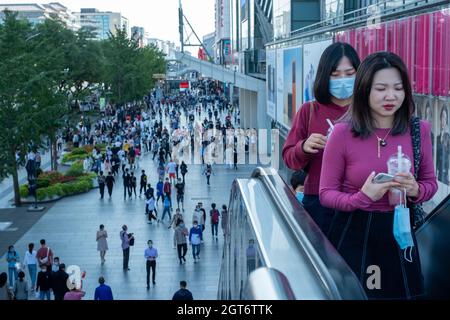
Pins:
x: 349, y: 160
x: 303, y: 125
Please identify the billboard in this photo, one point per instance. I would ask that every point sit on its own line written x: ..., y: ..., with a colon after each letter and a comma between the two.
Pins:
x: 280, y: 87
x: 292, y: 72
x: 271, y: 78
x: 311, y: 57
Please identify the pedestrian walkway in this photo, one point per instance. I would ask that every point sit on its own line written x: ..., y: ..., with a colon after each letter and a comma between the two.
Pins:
x: 69, y: 228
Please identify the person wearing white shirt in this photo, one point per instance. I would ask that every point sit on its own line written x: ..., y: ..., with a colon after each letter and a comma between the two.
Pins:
x: 172, y: 170
x: 30, y: 261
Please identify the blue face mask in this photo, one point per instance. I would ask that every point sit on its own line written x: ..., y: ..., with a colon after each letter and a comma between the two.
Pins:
x: 342, y: 88
x: 402, y: 231
x: 300, y: 195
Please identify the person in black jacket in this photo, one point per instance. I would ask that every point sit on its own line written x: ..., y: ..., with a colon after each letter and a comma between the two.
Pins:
x: 44, y: 282
x: 110, y: 183
x: 143, y: 183
x: 126, y: 184
x: 183, y: 293
x: 183, y: 169
x: 59, y: 282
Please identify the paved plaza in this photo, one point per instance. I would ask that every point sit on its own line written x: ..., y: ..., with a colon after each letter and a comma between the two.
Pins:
x: 70, y: 226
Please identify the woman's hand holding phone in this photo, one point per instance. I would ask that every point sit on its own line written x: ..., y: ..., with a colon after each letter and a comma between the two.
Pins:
x: 376, y: 191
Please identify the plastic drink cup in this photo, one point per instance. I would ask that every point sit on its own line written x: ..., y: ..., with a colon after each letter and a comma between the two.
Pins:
x: 397, y: 163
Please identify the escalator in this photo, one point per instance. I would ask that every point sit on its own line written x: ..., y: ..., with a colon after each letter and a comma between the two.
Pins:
x: 274, y: 250
x: 290, y: 259
x: 433, y: 239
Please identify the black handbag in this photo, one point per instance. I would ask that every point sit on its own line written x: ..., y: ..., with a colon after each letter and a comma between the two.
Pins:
x: 418, y: 214
x: 131, y: 243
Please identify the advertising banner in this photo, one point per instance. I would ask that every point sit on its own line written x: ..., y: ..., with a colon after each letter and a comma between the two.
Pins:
x: 292, y: 72
x: 311, y: 57
x: 280, y: 87
x: 271, y: 78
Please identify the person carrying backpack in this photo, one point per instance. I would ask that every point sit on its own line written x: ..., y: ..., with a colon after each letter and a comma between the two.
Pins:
x: 214, y: 214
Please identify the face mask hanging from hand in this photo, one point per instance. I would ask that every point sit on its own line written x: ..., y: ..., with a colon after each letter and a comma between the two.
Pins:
x: 402, y: 229
x: 299, y: 195
x: 342, y: 88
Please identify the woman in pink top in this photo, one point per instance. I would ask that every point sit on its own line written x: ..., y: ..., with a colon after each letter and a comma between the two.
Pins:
x: 303, y: 149
x: 362, y: 230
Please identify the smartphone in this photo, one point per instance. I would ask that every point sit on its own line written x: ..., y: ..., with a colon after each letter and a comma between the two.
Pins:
x: 382, y: 178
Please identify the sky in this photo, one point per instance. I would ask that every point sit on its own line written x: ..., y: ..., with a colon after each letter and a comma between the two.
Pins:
x: 158, y: 17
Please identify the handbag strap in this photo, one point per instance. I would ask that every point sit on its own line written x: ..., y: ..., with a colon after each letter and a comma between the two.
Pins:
x: 415, y: 136
x: 418, y: 215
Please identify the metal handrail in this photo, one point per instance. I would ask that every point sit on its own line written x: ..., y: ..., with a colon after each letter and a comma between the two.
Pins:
x: 268, y: 284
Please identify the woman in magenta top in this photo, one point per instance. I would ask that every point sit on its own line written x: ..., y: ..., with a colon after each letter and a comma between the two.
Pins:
x: 359, y: 147
x: 303, y: 149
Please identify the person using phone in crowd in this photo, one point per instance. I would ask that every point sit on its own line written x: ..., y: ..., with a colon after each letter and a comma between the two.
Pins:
x: 378, y: 121
x: 12, y: 257
x: 125, y: 246
x: 303, y: 149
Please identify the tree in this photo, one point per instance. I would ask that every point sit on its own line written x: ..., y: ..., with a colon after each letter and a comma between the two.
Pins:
x: 86, y: 64
x: 129, y: 69
x: 17, y: 116
x: 52, y: 51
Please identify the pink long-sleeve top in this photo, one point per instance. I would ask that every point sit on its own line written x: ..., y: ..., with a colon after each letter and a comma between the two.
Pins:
x: 303, y: 126
x: 349, y: 160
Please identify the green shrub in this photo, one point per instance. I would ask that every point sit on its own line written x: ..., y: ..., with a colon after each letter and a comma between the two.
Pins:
x: 43, y: 182
x: 67, y: 188
x: 41, y: 194
x: 53, y: 176
x: 55, y: 190
x: 78, y: 151
x: 23, y: 191
x: 68, y: 157
x: 76, y: 170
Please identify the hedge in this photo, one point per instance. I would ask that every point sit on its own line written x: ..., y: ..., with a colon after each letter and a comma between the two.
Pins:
x: 81, y: 185
x: 76, y: 170
x: 82, y: 152
x: 23, y: 190
x: 79, y: 151
x: 69, y: 157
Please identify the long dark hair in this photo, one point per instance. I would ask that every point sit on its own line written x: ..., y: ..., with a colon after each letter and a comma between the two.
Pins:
x: 30, y: 247
x: 328, y: 63
x: 359, y: 113
x: 3, y: 279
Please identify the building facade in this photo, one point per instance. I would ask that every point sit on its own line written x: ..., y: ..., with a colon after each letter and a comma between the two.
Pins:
x: 37, y: 13
x: 138, y: 34
x: 103, y: 23
x: 222, y: 45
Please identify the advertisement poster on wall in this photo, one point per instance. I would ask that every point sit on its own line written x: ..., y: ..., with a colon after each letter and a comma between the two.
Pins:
x: 271, y: 78
x: 443, y: 146
x: 311, y: 57
x: 292, y: 71
x: 280, y: 86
